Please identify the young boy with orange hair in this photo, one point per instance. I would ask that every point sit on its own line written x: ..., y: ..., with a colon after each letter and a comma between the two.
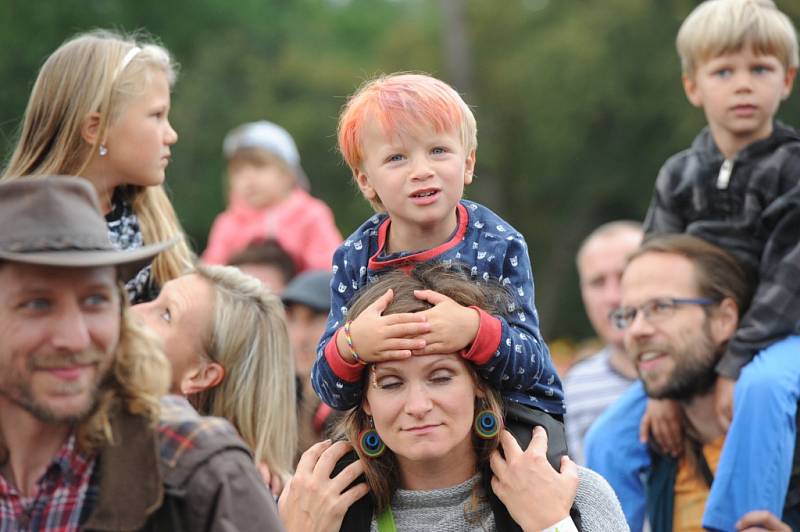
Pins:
x: 410, y: 141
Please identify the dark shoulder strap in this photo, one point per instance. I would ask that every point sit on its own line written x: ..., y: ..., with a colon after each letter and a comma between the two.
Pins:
x: 702, y: 464
x: 359, y: 516
x: 520, y: 421
x: 502, y: 519
x: 660, y: 490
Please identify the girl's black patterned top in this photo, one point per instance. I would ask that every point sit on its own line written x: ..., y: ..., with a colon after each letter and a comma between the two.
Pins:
x: 124, y: 233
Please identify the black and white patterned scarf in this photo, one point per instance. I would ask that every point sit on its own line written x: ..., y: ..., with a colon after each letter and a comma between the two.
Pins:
x: 124, y: 233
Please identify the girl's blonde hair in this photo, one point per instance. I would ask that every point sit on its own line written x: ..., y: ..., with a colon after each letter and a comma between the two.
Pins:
x: 85, y: 75
x: 249, y: 338
x: 382, y: 473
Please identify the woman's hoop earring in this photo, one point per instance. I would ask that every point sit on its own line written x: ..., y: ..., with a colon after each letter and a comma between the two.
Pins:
x: 486, y: 425
x: 370, y: 443
x: 103, y: 150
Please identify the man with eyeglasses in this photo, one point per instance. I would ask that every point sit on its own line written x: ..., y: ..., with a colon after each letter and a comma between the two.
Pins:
x: 682, y: 299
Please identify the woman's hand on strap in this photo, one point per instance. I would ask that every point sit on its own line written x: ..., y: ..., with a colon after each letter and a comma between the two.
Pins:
x: 536, y: 495
x: 314, y: 502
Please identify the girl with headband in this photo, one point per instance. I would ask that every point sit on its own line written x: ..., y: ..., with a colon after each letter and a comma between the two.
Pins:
x: 99, y: 110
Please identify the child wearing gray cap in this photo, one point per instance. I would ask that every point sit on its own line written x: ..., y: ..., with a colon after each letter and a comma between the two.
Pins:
x: 267, y: 201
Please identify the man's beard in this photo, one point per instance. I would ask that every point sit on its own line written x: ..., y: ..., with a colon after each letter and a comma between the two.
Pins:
x: 19, y: 391
x: 694, y: 373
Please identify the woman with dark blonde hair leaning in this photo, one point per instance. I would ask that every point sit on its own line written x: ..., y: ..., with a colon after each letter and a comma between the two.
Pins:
x: 428, y: 436
x: 99, y: 110
x: 225, y: 335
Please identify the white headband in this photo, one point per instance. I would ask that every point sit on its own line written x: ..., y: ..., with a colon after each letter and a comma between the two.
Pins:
x: 127, y: 59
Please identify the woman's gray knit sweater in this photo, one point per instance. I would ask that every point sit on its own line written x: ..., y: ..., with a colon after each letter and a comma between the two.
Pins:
x: 446, y: 510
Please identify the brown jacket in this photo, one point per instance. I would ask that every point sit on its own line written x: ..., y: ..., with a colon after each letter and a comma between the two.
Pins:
x: 190, y: 473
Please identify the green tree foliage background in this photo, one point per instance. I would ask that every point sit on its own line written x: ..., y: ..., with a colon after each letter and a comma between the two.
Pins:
x: 578, y: 102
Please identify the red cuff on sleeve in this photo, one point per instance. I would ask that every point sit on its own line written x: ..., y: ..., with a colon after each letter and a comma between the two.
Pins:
x: 349, y: 371
x: 487, y: 339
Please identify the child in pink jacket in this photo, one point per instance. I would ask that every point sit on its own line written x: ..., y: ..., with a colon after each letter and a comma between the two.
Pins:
x: 267, y: 201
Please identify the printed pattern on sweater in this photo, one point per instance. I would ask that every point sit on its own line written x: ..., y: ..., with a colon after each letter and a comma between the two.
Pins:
x: 520, y: 366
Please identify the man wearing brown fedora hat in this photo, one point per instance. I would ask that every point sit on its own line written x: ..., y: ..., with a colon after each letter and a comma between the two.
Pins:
x: 86, y: 441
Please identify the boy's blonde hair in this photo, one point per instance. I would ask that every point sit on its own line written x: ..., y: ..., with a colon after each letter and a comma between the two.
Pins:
x: 718, y: 27
x: 249, y: 338
x: 83, y: 76
x: 401, y: 103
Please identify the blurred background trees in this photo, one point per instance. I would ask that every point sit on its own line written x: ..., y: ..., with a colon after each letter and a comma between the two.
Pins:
x: 578, y: 102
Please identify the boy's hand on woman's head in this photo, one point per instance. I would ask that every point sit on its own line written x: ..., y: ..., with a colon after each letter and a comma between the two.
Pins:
x: 453, y: 327
x: 663, y: 419
x: 377, y: 337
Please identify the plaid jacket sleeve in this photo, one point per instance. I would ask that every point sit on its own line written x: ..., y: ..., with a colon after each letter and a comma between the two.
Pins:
x: 775, y: 309
x: 663, y: 214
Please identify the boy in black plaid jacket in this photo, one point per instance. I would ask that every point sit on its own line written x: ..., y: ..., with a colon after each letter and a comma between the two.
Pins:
x: 738, y: 186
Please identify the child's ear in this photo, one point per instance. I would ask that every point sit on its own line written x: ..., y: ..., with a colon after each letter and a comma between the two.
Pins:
x: 788, y: 82
x: 364, y: 185
x: 469, y: 168
x: 90, y: 128
x: 690, y: 88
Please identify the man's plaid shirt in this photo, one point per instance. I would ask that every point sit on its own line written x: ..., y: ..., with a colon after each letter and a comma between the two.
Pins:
x: 61, y: 498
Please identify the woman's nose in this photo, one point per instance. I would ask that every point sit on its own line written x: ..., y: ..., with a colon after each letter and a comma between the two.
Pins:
x: 418, y: 402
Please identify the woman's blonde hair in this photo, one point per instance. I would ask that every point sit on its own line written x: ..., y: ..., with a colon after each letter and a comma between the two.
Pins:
x: 382, y: 473
x: 85, y: 75
x: 250, y: 340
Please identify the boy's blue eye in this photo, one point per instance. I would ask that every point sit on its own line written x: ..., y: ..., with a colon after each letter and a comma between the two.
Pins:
x: 438, y: 150
x: 36, y: 304
x: 761, y: 69
x: 723, y: 73
x: 96, y: 300
x: 395, y: 157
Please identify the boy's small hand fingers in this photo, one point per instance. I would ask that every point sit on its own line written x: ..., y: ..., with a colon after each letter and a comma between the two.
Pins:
x: 406, y: 330
x: 405, y: 344
x: 405, y: 317
x: 393, y: 354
